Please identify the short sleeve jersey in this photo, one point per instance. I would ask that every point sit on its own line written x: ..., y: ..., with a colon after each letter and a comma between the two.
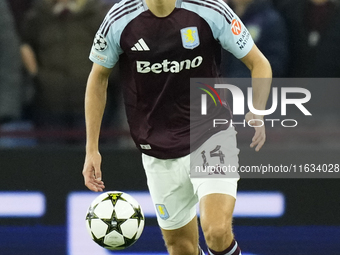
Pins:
x: 157, y: 58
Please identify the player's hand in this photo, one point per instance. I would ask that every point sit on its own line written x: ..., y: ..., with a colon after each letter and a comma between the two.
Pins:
x: 92, y: 173
x: 259, y: 137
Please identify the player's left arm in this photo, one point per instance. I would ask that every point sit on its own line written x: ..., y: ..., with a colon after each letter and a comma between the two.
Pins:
x: 261, y: 74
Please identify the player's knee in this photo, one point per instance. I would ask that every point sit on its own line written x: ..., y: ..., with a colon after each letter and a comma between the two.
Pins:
x: 218, y: 233
x: 181, y: 247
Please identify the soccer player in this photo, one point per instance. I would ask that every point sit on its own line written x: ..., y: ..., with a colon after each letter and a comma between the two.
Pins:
x: 160, y: 45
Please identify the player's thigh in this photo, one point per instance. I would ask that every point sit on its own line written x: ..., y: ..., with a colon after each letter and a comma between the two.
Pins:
x: 216, y: 220
x: 171, y: 191
x: 217, y: 190
x: 216, y: 212
x: 183, y: 240
x: 219, y: 151
x: 217, y: 157
x: 173, y: 195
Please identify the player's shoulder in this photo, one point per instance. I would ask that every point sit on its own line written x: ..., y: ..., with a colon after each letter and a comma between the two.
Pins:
x: 121, y: 13
x: 209, y: 8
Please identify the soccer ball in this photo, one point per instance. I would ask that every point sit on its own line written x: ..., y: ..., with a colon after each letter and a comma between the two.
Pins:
x: 99, y: 43
x: 115, y: 220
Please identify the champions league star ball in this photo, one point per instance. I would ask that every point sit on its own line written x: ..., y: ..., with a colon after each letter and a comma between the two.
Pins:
x: 115, y: 220
x: 99, y: 43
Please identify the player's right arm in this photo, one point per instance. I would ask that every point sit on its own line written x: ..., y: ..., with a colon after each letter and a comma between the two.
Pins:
x: 95, y: 101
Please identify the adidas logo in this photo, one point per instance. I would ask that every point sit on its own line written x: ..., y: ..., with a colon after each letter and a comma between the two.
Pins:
x: 140, y: 46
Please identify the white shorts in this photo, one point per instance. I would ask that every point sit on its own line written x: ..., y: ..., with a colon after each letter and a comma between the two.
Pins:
x: 175, y: 194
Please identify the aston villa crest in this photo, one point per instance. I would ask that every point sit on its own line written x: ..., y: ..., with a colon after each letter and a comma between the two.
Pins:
x: 190, y: 38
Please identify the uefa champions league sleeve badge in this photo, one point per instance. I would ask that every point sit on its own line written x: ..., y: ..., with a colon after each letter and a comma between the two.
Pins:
x: 100, y: 43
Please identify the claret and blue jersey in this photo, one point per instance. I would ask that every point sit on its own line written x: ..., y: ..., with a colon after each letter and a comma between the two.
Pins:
x: 157, y: 58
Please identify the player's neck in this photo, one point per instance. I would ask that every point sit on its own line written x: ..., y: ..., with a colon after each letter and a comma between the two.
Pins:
x: 161, y: 8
